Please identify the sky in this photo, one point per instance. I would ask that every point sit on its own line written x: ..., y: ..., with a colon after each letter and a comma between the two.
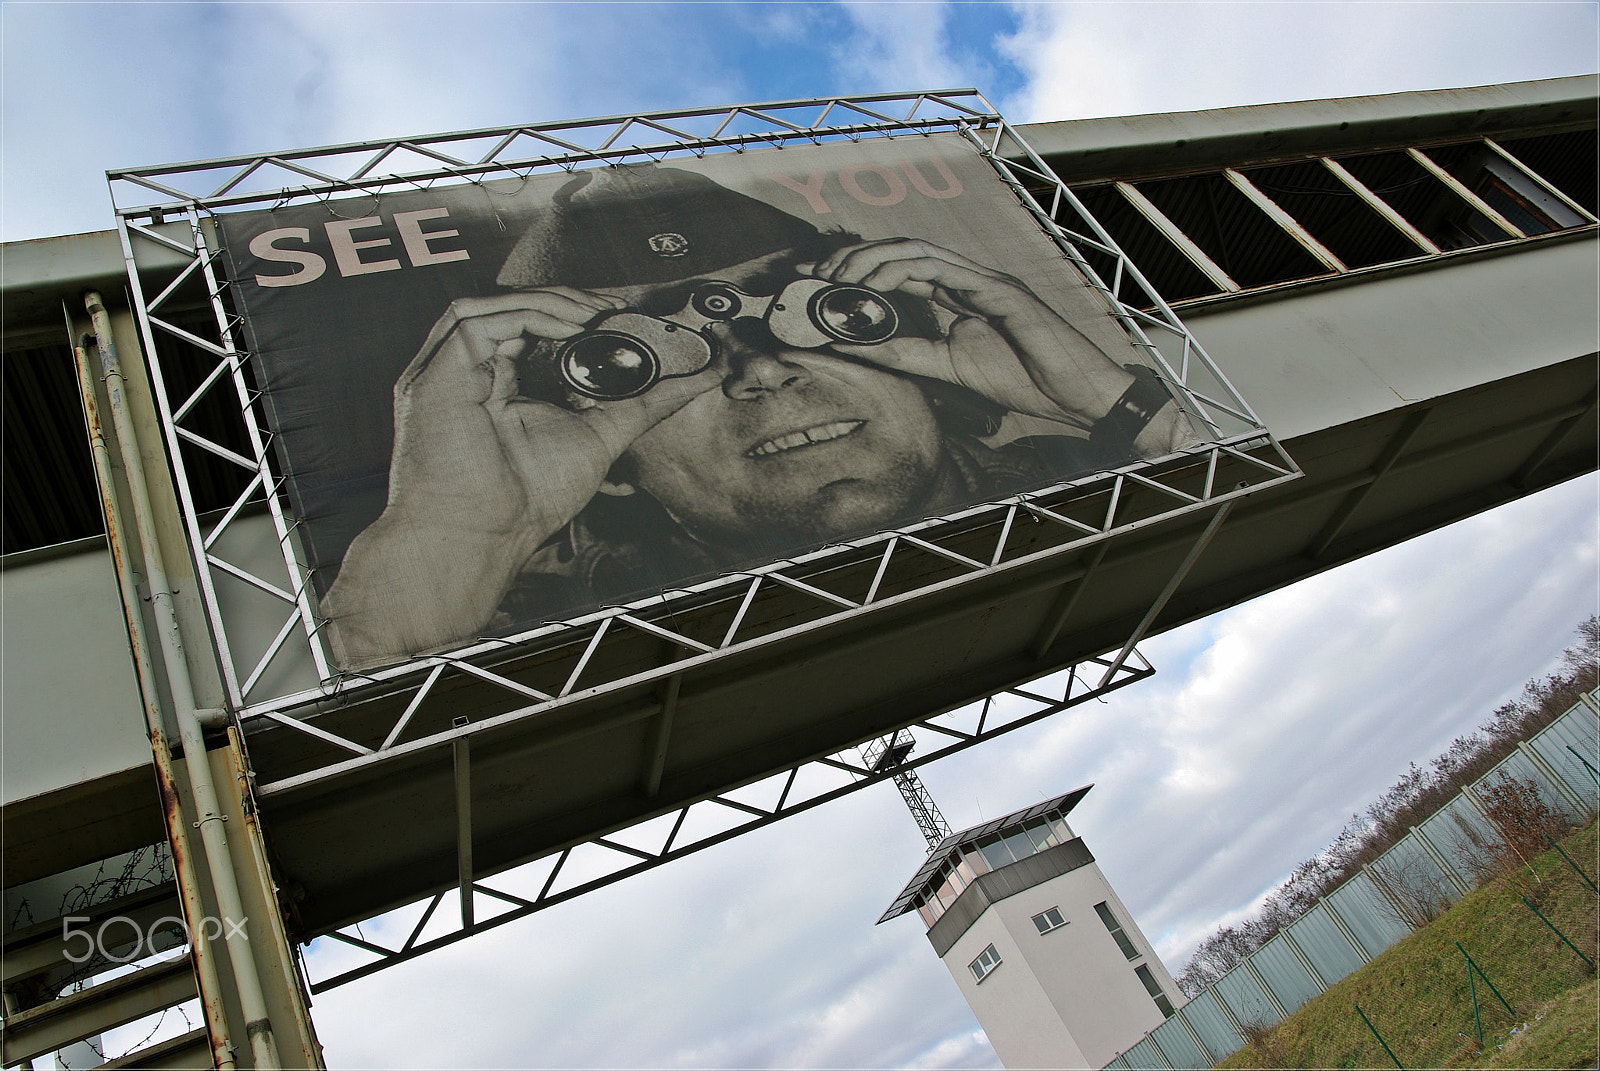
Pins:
x: 1265, y: 726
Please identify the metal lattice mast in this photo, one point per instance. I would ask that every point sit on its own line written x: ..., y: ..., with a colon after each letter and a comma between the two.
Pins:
x: 890, y: 752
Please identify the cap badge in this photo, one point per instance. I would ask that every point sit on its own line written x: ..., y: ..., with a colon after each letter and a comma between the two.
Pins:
x: 668, y: 244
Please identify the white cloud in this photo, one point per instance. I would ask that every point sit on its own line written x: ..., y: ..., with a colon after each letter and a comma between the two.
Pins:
x: 1097, y: 59
x: 199, y: 81
x: 895, y: 47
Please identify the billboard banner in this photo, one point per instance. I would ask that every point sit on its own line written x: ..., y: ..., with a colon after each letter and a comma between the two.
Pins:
x: 512, y: 401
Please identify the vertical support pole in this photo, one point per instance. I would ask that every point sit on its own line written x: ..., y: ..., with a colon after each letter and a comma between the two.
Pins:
x: 1472, y: 988
x: 1586, y: 764
x: 461, y: 753
x: 1227, y: 1013
x: 1291, y: 226
x: 219, y: 858
x: 661, y: 735
x: 1590, y: 700
x: 1380, y: 206
x: 1473, y: 966
x: 1550, y: 187
x: 1465, y: 194
x: 1174, y: 234
x: 1172, y: 586
x: 1066, y: 602
x: 183, y: 858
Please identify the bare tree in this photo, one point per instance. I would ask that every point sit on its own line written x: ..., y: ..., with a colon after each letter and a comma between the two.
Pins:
x: 1525, y: 823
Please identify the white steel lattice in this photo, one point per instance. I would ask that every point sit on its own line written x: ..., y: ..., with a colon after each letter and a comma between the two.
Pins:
x: 622, y: 853
x: 177, y: 221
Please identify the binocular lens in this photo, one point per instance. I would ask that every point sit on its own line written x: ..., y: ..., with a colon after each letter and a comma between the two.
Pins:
x: 854, y: 314
x: 717, y: 301
x: 609, y: 365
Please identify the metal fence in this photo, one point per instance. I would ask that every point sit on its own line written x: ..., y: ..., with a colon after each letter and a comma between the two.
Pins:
x: 1434, y: 864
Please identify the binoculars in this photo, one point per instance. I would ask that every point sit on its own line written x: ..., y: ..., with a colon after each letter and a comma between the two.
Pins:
x: 623, y: 354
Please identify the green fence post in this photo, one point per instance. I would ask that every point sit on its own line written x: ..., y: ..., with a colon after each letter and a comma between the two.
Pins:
x: 1477, y: 1020
x: 1592, y: 771
x: 1557, y: 932
x: 1379, y: 1036
x: 1570, y: 863
x: 1472, y: 966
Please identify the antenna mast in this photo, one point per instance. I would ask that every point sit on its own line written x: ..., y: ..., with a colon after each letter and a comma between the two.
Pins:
x: 889, y: 753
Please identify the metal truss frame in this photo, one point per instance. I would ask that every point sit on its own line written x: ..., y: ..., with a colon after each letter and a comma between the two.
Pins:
x: 662, y: 618
x: 743, y: 809
x: 171, y: 208
x: 190, y: 193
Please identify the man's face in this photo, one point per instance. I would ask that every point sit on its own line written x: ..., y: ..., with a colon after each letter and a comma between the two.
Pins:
x: 798, y: 444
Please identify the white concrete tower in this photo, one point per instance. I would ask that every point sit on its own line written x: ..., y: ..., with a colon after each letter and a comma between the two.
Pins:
x: 1050, y: 960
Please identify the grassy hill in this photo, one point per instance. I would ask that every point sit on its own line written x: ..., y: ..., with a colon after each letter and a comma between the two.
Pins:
x: 1419, y: 998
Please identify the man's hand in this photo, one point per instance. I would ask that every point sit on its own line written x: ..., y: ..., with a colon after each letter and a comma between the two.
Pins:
x: 480, y: 477
x: 1056, y: 372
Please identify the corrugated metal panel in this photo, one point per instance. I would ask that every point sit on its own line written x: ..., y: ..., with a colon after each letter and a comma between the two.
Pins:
x: 1518, y: 767
x: 1366, y: 912
x: 1284, y: 974
x: 1180, y: 1048
x: 1564, y: 159
x: 1142, y: 1057
x: 1566, y: 744
x: 1333, y: 213
x: 1242, y: 239
x: 1205, y: 1014
x: 48, y: 475
x: 1168, y: 270
x: 1119, y: 1064
x: 1243, y: 996
x: 1413, y: 876
x: 1462, y: 835
x: 1324, y: 945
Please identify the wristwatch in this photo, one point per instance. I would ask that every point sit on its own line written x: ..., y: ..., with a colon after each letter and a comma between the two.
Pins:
x: 1131, y: 413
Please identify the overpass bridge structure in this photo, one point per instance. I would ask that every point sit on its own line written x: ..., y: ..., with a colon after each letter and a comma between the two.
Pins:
x: 1402, y: 288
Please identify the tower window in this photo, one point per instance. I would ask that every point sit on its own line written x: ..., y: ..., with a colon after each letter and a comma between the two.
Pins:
x: 1104, y: 911
x: 1154, y: 988
x: 1049, y: 920
x: 985, y: 964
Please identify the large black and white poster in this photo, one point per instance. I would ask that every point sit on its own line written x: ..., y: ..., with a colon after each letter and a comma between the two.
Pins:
x: 508, y: 402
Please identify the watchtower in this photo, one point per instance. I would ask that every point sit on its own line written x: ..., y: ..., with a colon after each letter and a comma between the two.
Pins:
x: 1050, y: 960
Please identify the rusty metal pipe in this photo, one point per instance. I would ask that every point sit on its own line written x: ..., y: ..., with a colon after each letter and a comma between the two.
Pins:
x: 205, y: 962
x: 219, y: 860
